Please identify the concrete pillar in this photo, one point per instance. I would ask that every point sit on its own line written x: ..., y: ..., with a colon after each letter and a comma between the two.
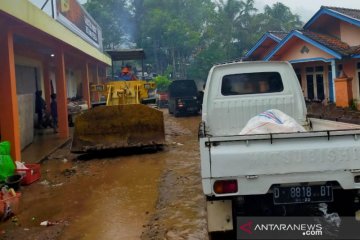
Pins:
x: 9, y: 116
x: 47, y: 85
x: 61, y: 95
x: 96, y: 79
x: 303, y: 79
x: 343, y: 91
x: 97, y: 74
x: 85, y: 84
x: 333, y: 72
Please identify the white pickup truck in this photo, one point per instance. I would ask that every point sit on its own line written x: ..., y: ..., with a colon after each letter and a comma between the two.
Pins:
x: 273, y: 172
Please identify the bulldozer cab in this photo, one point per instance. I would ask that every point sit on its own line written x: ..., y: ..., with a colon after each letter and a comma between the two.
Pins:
x: 123, y: 87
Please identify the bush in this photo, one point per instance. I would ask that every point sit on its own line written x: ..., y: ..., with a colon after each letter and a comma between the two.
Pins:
x: 162, y: 83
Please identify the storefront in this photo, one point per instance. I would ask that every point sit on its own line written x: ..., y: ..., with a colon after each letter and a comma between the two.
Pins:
x: 38, y: 53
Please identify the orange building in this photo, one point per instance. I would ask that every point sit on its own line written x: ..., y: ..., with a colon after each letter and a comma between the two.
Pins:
x: 325, y: 54
x: 38, y: 52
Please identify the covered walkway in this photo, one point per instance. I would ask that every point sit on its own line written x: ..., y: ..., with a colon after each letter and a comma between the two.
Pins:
x: 43, y: 145
x: 59, y: 61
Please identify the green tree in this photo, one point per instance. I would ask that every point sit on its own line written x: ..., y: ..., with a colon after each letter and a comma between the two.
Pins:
x: 114, y: 18
x: 162, y: 83
x: 279, y: 17
x: 172, y: 30
x: 188, y: 36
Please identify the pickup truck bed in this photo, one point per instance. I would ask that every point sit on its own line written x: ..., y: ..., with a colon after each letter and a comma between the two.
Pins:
x: 259, y: 161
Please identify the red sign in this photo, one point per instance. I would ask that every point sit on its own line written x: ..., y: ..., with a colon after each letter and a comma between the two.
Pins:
x: 71, y: 14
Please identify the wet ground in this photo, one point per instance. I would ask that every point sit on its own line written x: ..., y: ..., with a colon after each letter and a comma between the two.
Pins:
x: 331, y: 112
x: 134, y: 195
x: 151, y: 195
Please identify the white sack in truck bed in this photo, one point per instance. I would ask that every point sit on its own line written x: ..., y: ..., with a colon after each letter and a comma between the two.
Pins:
x: 271, y: 121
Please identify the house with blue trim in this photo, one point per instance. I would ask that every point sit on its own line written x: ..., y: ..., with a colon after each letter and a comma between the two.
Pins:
x: 325, y: 54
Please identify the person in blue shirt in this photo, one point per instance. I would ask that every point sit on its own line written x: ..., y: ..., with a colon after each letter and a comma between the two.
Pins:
x: 126, y: 74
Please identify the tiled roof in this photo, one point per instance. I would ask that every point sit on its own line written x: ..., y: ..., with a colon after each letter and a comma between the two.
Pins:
x: 329, y: 42
x: 353, y: 13
x: 355, y: 50
x: 279, y: 34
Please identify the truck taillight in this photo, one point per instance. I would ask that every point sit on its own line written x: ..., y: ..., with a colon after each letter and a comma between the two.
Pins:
x: 180, y: 103
x: 225, y: 186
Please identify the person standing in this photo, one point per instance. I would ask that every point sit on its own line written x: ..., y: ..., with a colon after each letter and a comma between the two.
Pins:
x: 54, y: 114
x: 40, y: 106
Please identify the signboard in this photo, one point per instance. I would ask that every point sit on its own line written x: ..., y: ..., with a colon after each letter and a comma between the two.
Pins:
x: 73, y: 16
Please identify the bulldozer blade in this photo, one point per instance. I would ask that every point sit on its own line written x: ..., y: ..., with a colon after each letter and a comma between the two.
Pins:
x: 120, y: 126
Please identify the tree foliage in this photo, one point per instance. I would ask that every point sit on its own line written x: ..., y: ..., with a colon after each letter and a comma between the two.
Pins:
x: 114, y: 18
x: 162, y: 83
x: 188, y: 36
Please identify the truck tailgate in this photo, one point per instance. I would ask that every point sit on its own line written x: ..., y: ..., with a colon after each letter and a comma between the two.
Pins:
x: 284, y: 153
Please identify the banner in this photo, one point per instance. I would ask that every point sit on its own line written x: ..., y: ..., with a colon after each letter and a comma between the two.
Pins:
x: 73, y: 16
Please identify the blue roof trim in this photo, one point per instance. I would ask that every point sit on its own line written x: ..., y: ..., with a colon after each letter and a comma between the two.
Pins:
x: 262, y: 39
x: 304, y: 38
x: 311, y: 60
x: 274, y: 37
x: 355, y: 56
x: 332, y: 13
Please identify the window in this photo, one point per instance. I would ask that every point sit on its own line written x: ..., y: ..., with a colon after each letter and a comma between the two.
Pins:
x: 319, y: 69
x: 251, y: 83
x: 309, y: 69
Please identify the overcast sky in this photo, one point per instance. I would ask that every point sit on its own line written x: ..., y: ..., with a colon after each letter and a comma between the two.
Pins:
x: 307, y: 8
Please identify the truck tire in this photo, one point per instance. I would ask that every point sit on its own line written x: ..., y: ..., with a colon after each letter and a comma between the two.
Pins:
x: 222, y: 235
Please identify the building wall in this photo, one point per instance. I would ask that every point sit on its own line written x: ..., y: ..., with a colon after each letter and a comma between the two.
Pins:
x: 26, y: 104
x: 327, y: 25
x: 294, y: 51
x: 26, y: 79
x: 349, y: 68
x: 265, y: 48
x: 26, y: 76
x: 29, y: 77
x: 350, y: 34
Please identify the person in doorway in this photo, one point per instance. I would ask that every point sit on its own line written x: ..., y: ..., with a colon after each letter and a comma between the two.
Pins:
x: 40, y: 106
x: 54, y: 114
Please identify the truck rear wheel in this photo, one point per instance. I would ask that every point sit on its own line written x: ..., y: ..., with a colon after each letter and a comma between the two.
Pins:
x: 222, y: 235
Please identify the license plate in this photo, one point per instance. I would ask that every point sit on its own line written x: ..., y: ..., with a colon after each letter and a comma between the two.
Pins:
x: 303, y: 194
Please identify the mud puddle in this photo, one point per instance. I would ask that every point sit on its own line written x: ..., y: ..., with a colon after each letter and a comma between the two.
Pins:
x: 135, y: 196
x: 108, y: 198
x: 180, y: 212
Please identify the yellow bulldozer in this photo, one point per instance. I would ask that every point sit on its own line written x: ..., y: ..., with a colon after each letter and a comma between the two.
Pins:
x: 124, y: 121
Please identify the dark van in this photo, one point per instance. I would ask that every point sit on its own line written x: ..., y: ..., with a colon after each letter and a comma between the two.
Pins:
x: 183, y: 97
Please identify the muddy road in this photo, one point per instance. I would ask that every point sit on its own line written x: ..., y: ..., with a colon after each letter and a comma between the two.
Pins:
x: 147, y: 195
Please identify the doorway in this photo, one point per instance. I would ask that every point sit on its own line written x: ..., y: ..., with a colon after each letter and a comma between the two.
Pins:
x: 315, y: 83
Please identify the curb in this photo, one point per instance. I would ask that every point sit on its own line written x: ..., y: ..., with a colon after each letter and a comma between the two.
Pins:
x: 45, y: 157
